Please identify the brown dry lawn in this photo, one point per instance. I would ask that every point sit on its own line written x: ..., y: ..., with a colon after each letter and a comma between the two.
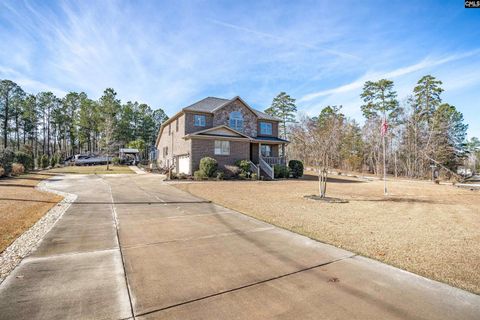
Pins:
x: 92, y: 170
x: 21, y: 205
x: 431, y: 230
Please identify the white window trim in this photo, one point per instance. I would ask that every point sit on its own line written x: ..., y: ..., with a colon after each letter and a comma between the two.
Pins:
x: 266, y: 125
x: 200, y: 123
x: 222, y: 148
x: 237, y: 122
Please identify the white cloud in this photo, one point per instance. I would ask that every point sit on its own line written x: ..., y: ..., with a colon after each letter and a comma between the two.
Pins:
x: 424, y: 64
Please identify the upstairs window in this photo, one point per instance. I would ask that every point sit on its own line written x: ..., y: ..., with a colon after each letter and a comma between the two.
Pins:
x: 266, y: 128
x: 222, y: 147
x: 199, y: 120
x: 236, y: 120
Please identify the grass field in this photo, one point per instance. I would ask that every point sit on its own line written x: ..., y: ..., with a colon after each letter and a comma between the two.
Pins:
x: 92, y: 170
x: 21, y: 205
x: 431, y: 230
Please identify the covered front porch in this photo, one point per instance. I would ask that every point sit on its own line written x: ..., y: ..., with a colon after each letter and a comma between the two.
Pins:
x: 266, y: 153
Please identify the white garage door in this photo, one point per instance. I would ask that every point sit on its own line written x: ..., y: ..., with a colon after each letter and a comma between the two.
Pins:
x: 184, y: 164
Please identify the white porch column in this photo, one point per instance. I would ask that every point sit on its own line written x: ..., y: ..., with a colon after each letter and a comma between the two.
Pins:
x: 259, y: 157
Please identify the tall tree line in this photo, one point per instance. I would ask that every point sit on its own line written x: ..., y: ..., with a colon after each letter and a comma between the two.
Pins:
x: 64, y: 126
x: 423, y: 132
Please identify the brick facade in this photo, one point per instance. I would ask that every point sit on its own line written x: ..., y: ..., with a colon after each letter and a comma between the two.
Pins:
x: 274, y: 129
x: 172, y: 139
x: 190, y: 122
x: 239, y: 150
x: 183, y: 124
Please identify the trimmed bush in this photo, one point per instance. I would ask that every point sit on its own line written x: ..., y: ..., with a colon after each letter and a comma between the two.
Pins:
x: 44, y: 161
x: 280, y: 171
x: 296, y: 168
x: 17, y: 169
x: 208, y: 166
x: 2, y: 171
x: 244, y: 165
x: 6, y: 159
x: 220, y: 175
x: 199, y: 175
x: 25, y: 159
x: 243, y: 176
x: 232, y: 171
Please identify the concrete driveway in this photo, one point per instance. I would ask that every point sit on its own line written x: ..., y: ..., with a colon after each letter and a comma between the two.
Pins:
x: 159, y: 253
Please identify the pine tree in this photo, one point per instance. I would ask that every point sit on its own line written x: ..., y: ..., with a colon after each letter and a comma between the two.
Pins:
x: 283, y: 106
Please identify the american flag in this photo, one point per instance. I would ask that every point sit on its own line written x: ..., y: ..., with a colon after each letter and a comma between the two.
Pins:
x: 384, y: 128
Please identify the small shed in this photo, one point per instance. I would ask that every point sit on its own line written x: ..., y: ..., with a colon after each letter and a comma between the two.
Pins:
x: 129, y: 155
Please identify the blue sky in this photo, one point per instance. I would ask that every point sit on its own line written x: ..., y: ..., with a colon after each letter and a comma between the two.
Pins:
x: 171, y: 53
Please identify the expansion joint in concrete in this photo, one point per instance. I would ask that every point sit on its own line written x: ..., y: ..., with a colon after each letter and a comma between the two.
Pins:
x: 245, y: 286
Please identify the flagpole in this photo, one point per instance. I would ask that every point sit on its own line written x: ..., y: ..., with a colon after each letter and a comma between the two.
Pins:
x: 384, y: 133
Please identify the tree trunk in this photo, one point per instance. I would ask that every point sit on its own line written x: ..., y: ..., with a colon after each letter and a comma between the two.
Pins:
x: 5, y: 124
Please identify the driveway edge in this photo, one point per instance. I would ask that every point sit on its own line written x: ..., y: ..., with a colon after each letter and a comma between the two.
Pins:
x: 30, y: 239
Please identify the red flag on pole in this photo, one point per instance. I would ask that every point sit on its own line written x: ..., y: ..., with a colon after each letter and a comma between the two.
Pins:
x: 384, y: 128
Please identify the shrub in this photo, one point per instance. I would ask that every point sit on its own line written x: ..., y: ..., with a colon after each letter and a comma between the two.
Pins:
x: 254, y: 176
x: 200, y: 175
x: 2, y: 171
x: 116, y: 161
x: 44, y: 161
x: 280, y: 171
x: 296, y: 168
x: 220, y: 175
x: 244, y: 165
x: 243, y: 175
x: 25, y: 159
x: 232, y: 171
x: 6, y: 159
x: 17, y: 168
x: 208, y: 166
x: 182, y: 176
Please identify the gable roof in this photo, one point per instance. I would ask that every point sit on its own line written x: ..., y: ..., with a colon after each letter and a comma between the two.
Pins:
x: 206, y: 105
x: 220, y: 131
x: 211, y: 104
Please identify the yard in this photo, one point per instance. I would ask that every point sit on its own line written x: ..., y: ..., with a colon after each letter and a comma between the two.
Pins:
x: 431, y: 230
x: 21, y: 205
x: 92, y: 170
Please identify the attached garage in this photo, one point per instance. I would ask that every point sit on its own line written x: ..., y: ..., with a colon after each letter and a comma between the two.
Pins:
x: 184, y: 164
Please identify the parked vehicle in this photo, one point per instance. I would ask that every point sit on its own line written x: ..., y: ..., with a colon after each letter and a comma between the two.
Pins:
x: 88, y: 160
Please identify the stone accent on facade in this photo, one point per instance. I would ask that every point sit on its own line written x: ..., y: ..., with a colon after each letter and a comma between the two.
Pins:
x: 222, y: 117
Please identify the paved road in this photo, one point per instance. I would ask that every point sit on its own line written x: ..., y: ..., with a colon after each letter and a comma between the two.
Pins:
x: 159, y: 253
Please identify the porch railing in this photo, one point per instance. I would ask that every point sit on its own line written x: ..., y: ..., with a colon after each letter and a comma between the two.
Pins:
x: 254, y: 168
x: 267, y: 168
x: 274, y: 160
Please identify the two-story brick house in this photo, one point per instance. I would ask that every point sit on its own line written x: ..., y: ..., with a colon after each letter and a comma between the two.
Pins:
x: 227, y: 130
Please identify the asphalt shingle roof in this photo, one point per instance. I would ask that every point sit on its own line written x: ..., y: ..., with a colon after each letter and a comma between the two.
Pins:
x: 211, y: 103
x: 207, y: 105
